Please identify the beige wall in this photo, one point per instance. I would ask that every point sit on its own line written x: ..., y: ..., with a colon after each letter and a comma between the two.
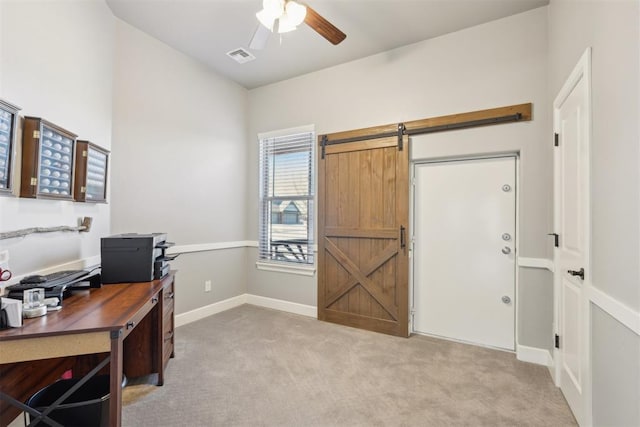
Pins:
x: 496, y: 64
x: 185, y: 153
x: 179, y: 161
x: 612, y: 30
x: 56, y: 61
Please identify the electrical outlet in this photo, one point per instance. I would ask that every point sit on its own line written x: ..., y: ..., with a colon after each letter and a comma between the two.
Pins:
x: 4, y: 259
x: 207, y: 285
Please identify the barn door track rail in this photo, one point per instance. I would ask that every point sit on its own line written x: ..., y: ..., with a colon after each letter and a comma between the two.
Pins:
x: 493, y: 116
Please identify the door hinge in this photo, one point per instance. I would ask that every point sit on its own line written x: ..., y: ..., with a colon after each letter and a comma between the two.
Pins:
x: 36, y: 134
x: 34, y: 181
x: 556, y: 139
x: 401, y: 129
x: 556, y: 239
x: 557, y: 341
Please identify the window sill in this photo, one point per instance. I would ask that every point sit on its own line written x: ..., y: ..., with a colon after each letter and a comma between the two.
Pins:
x: 309, y: 270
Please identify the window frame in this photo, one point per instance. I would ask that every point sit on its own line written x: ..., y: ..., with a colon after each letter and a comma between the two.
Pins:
x: 283, y: 266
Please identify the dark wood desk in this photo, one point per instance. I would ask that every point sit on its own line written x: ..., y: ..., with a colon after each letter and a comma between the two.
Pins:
x: 131, y: 324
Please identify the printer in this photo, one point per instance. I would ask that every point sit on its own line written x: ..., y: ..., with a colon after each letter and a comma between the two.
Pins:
x: 134, y: 257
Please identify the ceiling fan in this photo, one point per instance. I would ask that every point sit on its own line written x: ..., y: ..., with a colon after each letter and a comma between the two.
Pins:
x: 283, y: 16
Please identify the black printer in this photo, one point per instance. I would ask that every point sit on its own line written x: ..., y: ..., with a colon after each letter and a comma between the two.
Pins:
x: 134, y: 257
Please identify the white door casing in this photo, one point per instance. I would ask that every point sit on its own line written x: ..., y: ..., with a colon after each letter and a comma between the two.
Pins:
x: 464, y: 250
x: 572, y: 124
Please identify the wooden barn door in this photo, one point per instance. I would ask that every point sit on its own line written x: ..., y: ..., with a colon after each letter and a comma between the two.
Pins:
x: 362, y: 234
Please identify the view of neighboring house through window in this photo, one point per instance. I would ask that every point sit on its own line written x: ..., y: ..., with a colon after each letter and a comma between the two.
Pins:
x: 286, y: 196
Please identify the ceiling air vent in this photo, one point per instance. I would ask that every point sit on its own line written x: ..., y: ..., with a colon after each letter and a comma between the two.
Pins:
x: 240, y: 55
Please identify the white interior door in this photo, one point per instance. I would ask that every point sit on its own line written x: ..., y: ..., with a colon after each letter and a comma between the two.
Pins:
x: 464, y: 250
x: 571, y: 123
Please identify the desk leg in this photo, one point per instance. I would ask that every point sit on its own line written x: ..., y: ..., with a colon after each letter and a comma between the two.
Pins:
x: 115, y: 379
x: 159, y: 343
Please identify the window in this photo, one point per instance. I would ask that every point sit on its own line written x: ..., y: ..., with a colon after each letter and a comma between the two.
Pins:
x: 286, y: 197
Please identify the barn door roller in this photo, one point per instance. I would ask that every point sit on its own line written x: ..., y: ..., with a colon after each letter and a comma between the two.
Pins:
x: 324, y: 144
x: 401, y: 131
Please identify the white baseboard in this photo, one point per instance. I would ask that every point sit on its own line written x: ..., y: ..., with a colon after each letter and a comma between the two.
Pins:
x: 539, y: 356
x: 209, y: 310
x: 227, y: 304
x: 278, y: 304
x: 552, y: 367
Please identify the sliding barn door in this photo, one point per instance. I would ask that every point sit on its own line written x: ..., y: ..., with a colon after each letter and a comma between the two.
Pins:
x: 362, y: 235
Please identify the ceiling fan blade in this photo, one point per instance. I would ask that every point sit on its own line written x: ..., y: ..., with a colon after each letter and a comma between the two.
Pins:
x: 260, y: 37
x: 323, y: 27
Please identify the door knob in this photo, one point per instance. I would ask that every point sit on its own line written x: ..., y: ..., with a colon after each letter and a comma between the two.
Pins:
x: 579, y: 273
x: 506, y: 299
x: 506, y: 250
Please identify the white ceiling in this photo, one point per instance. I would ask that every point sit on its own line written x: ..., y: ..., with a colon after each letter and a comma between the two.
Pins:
x: 208, y: 29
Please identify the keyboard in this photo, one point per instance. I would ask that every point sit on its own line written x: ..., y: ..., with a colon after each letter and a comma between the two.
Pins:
x: 54, y: 279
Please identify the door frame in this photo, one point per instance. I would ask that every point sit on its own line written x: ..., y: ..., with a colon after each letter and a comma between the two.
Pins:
x: 582, y: 70
x: 412, y: 284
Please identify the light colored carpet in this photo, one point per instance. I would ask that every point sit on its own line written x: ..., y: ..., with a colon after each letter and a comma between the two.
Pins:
x: 252, y: 366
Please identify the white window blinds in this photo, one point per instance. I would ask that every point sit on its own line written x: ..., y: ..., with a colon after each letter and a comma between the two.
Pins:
x: 286, y: 198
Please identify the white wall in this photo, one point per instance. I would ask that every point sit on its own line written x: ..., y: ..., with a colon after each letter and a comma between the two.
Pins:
x: 612, y: 29
x: 56, y: 63
x: 179, y: 161
x: 496, y: 64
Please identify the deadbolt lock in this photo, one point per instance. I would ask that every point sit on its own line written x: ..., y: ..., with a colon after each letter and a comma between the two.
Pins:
x: 506, y: 299
x: 506, y: 237
x: 506, y: 188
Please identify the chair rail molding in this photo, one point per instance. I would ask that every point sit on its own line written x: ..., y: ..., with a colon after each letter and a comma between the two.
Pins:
x: 215, y: 246
x: 536, y: 263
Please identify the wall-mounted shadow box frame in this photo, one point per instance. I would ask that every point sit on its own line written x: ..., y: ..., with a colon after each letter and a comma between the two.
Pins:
x: 8, y: 125
x: 92, y: 164
x: 47, y: 160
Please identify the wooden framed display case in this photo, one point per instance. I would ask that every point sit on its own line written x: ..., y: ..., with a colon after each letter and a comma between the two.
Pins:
x: 47, y: 160
x: 92, y: 163
x: 8, y: 119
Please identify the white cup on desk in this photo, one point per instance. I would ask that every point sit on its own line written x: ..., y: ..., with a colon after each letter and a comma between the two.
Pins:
x: 33, y: 298
x: 33, y: 303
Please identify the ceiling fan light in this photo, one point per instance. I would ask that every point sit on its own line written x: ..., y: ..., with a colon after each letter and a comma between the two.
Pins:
x: 274, y: 8
x: 295, y: 12
x: 266, y: 19
x: 285, y: 24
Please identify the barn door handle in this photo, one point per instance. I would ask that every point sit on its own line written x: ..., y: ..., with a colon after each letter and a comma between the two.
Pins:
x: 403, y: 241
